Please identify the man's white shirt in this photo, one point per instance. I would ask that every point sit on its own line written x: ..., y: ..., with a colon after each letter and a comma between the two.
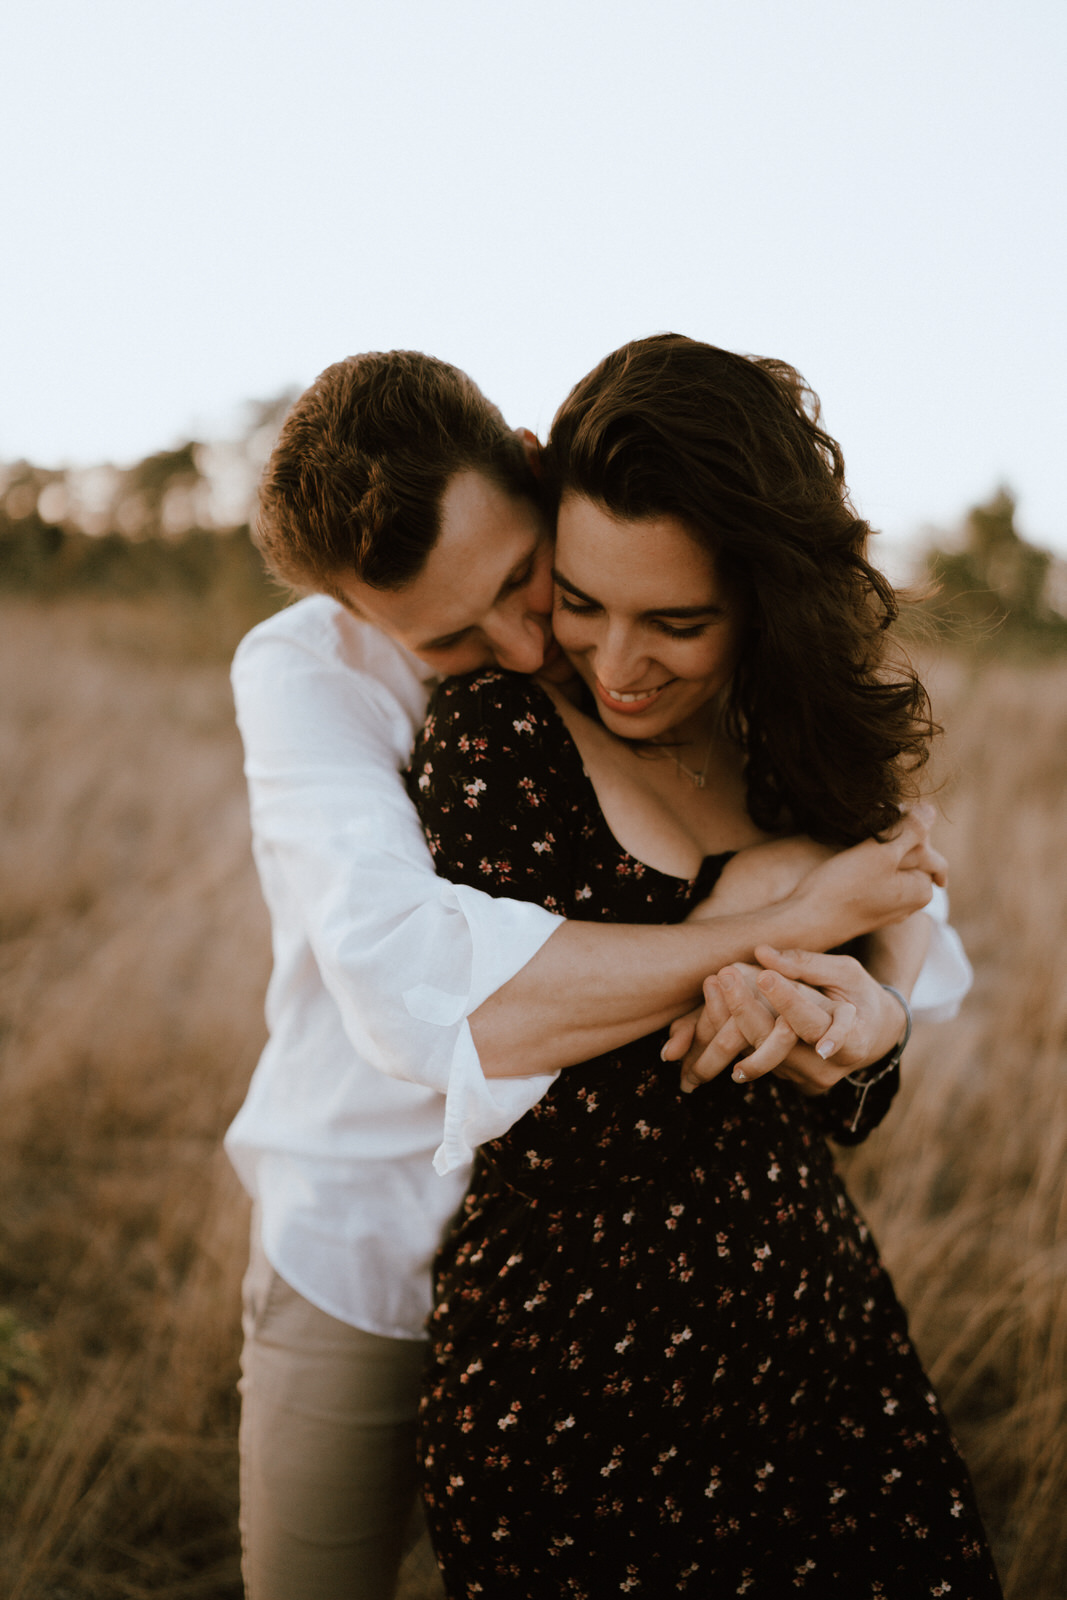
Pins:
x: 356, y: 1136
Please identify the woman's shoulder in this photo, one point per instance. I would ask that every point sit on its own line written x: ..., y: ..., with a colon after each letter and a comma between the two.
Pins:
x: 492, y: 698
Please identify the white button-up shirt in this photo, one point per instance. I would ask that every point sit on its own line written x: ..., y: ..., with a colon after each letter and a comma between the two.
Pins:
x: 356, y: 1136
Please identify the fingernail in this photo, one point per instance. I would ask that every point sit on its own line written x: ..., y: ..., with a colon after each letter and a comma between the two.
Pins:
x: 825, y: 1047
x: 663, y: 1052
x: 738, y: 1076
x: 728, y: 978
x: 688, y: 1085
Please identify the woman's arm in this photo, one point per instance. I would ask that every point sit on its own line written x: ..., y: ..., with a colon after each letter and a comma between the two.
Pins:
x: 590, y: 989
x: 327, y: 717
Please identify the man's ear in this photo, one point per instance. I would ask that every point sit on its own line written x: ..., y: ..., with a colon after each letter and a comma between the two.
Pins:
x: 532, y: 446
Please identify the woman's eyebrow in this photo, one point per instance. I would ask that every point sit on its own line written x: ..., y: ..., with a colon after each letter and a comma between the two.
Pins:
x: 713, y: 608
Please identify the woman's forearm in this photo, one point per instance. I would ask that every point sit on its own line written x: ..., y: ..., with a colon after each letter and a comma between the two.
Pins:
x: 895, y: 955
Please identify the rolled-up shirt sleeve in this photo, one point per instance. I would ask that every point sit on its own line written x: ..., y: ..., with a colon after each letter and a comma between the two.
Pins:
x: 946, y: 974
x: 328, y: 712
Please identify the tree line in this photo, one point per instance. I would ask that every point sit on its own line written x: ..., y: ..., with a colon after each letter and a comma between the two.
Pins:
x: 179, y: 521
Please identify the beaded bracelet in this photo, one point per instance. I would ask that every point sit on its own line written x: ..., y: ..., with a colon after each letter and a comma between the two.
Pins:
x: 880, y: 1069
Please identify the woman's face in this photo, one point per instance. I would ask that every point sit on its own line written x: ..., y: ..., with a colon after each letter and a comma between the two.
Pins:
x: 642, y: 616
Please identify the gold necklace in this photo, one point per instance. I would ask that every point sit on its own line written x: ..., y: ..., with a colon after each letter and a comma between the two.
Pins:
x: 697, y: 779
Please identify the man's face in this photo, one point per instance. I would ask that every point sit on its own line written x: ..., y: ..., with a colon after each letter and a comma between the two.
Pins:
x: 484, y: 596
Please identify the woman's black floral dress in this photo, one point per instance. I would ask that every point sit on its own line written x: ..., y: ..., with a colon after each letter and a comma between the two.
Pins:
x: 665, y: 1356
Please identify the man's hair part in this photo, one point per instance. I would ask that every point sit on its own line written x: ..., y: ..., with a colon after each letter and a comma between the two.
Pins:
x: 354, y: 483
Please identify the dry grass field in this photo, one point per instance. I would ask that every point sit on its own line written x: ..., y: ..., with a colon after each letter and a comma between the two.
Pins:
x: 133, y: 956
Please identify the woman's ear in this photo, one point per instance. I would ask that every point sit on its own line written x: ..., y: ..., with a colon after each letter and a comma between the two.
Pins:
x: 532, y: 446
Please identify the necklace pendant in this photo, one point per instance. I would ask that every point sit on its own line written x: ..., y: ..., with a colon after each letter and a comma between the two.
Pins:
x: 698, y: 780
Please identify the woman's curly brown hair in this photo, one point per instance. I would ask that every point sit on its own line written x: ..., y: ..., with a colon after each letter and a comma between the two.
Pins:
x: 833, y: 734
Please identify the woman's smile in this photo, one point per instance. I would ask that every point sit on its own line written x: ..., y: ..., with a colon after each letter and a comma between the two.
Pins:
x: 643, y: 618
x: 631, y: 700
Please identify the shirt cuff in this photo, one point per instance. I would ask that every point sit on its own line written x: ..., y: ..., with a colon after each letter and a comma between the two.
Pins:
x: 946, y: 974
x: 478, y: 1108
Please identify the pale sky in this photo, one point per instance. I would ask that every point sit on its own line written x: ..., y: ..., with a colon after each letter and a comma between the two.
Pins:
x: 207, y: 201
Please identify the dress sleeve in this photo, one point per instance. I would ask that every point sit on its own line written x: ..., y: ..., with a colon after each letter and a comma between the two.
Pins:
x: 849, y: 1112
x: 489, y: 777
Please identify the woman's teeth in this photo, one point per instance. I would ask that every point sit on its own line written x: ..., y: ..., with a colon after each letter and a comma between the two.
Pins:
x: 628, y: 699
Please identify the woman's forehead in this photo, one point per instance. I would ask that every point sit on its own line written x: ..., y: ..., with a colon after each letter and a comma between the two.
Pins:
x: 655, y: 560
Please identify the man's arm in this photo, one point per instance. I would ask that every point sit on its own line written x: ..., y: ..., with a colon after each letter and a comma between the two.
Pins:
x: 327, y: 715
x: 592, y: 988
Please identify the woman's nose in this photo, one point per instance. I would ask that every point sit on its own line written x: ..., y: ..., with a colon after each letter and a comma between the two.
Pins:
x: 618, y: 661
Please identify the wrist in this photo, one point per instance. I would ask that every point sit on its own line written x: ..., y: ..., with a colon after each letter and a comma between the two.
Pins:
x: 804, y: 922
x: 865, y: 1078
x: 899, y: 1020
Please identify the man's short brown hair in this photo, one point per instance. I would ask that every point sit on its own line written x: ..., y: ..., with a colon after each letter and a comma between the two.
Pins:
x: 355, y: 480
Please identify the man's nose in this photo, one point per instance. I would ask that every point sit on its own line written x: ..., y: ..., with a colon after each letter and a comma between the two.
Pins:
x: 518, y: 641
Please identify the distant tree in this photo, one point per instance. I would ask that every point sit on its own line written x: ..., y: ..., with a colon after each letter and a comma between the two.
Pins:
x: 158, y: 496
x: 176, y: 521
x: 995, y: 583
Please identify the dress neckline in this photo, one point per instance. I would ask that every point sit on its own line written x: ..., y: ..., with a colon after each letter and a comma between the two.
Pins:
x: 703, y: 881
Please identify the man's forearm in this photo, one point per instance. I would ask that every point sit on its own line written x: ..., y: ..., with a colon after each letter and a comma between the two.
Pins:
x: 592, y: 988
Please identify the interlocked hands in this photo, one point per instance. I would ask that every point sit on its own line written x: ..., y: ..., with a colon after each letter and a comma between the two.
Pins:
x: 808, y: 1017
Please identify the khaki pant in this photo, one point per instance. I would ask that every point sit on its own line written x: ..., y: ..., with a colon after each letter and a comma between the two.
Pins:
x: 328, y: 1481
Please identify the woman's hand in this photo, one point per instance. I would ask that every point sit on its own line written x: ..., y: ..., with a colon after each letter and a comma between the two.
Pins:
x: 736, y: 1018
x: 813, y: 1032
x: 873, y: 885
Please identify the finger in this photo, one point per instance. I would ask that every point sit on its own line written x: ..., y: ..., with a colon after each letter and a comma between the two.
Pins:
x: 809, y: 1072
x: 912, y: 839
x: 748, y: 1008
x: 682, y: 1033
x: 809, y: 966
x: 807, y: 1011
x: 770, y: 1054
x: 700, y: 1066
x: 716, y: 1007
x: 710, y: 1018
x: 838, y: 1032
x: 923, y: 857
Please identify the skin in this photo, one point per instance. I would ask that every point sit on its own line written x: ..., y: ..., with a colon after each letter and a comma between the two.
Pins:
x: 644, y: 621
x: 650, y: 629
x: 484, y: 597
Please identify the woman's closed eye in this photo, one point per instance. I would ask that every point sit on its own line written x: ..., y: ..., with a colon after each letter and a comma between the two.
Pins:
x: 681, y: 630
x: 673, y: 630
x: 578, y: 608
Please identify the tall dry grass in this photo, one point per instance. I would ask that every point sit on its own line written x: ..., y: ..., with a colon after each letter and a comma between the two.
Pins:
x: 965, y: 1184
x: 133, y: 954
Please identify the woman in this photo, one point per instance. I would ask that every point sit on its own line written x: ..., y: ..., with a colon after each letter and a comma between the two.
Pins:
x: 666, y: 1357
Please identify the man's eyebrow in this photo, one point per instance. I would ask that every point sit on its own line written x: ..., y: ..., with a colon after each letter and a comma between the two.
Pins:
x: 709, y: 610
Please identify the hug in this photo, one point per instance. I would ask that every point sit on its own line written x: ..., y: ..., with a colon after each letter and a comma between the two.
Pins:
x: 563, y: 748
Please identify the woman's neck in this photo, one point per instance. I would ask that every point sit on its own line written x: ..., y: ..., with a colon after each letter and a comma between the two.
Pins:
x: 649, y: 797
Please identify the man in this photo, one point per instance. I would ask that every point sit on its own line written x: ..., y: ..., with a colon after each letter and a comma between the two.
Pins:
x: 408, y: 1015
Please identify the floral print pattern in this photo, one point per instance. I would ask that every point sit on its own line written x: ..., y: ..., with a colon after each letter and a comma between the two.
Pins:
x: 665, y: 1356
